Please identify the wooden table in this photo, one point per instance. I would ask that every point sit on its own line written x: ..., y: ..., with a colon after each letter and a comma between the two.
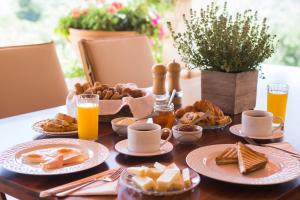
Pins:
x: 17, y: 129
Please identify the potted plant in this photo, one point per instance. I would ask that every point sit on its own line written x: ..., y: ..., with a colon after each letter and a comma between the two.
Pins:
x: 228, y: 49
x: 113, y: 20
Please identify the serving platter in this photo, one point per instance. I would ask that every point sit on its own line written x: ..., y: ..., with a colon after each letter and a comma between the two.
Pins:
x: 95, y: 153
x: 281, y: 166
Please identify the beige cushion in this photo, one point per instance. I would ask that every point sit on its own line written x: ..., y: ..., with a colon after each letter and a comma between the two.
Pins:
x: 30, y: 79
x: 119, y: 60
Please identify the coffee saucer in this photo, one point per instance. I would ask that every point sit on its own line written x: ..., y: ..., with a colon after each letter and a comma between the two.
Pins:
x: 121, y: 147
x: 237, y: 130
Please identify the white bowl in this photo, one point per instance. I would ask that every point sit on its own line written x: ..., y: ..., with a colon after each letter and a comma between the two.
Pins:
x: 120, y: 129
x: 187, y: 137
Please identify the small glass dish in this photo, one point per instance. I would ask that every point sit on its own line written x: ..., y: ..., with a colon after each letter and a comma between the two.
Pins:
x: 187, y: 137
x: 126, y: 181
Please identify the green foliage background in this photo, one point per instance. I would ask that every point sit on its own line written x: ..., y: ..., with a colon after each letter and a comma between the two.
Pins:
x: 15, y: 29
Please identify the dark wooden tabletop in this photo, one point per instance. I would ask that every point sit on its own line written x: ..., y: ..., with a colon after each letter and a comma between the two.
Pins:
x: 15, y: 130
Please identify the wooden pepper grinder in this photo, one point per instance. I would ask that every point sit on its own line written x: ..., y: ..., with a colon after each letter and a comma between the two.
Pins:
x: 159, y: 72
x: 173, y: 78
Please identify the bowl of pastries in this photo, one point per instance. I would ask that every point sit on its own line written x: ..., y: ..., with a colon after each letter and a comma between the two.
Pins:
x: 115, y: 101
x: 61, y: 124
x: 207, y: 115
x: 107, y: 92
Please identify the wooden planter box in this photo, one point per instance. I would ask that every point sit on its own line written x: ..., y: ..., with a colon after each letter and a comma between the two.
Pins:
x: 232, y: 92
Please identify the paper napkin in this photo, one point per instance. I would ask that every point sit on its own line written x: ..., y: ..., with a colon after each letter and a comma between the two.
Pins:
x: 284, y: 145
x: 97, y: 188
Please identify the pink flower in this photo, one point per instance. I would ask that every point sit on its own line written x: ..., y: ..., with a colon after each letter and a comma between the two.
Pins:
x: 155, y: 21
x: 117, y: 5
x: 76, y: 13
x: 161, y: 32
x: 111, y: 9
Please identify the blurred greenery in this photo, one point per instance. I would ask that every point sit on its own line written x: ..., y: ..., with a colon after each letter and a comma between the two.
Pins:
x: 33, y: 21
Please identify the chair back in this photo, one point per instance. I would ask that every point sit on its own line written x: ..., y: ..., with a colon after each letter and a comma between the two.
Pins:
x: 118, y: 60
x: 31, y: 79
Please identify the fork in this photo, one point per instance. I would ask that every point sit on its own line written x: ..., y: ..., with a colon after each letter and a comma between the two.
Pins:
x: 109, y: 178
x: 251, y: 141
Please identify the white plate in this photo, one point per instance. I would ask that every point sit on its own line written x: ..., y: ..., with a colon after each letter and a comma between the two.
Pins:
x: 37, y: 127
x: 281, y: 166
x: 11, y: 158
x: 126, y: 180
x: 121, y: 147
x: 237, y: 130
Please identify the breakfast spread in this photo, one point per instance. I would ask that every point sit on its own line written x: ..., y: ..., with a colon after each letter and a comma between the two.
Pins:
x: 107, y: 92
x: 190, y: 114
x: 53, y: 158
x: 160, y: 178
x: 60, y: 123
x: 247, y: 159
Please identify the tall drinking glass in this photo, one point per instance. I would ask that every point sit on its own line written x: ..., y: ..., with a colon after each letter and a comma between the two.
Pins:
x: 277, y: 100
x: 87, y: 116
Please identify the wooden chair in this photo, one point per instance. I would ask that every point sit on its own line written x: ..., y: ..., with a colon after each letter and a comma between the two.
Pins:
x: 30, y: 79
x: 118, y: 60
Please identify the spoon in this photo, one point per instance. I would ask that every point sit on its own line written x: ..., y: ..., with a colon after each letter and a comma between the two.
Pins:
x: 172, y: 97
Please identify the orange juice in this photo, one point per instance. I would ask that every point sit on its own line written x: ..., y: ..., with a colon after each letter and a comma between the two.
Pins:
x: 277, y: 104
x: 87, y: 116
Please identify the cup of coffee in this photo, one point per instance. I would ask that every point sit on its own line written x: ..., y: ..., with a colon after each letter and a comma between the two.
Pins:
x: 259, y: 123
x: 146, y: 137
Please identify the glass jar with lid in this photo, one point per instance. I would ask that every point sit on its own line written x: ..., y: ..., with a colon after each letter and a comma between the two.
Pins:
x: 164, y: 114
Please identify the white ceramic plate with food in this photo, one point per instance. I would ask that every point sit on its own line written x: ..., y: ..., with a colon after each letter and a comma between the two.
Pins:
x: 122, y: 147
x: 237, y: 130
x: 126, y: 180
x: 13, y: 158
x: 37, y: 127
x: 281, y: 167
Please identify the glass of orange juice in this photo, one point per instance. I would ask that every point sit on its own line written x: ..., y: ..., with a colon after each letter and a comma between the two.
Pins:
x: 87, y: 116
x: 277, y: 100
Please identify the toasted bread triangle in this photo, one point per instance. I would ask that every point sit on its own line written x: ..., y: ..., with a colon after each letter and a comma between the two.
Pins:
x: 228, y: 156
x: 249, y: 160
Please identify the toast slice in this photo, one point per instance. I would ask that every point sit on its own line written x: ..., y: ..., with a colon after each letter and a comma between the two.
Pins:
x: 228, y: 156
x: 250, y: 160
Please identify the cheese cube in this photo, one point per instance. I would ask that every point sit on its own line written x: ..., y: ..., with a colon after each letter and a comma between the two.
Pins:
x: 139, y: 171
x: 178, y: 183
x: 186, y: 177
x: 159, y: 166
x: 145, y: 183
x: 166, y: 180
x: 154, y: 173
x: 173, y: 166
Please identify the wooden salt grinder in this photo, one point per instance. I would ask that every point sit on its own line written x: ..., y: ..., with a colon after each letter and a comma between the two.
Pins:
x: 159, y: 77
x: 173, y: 76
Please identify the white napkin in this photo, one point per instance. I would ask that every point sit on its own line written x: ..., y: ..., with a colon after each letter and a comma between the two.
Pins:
x: 284, y: 145
x: 97, y: 188
x: 139, y: 107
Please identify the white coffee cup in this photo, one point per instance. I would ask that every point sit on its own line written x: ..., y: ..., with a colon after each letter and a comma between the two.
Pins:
x: 259, y: 123
x: 146, y: 137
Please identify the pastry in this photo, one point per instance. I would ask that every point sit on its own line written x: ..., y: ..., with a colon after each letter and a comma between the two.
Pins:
x: 78, y: 88
x: 250, y: 160
x: 65, y: 117
x: 215, y: 116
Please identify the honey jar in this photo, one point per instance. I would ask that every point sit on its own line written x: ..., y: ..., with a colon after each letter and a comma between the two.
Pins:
x: 164, y: 114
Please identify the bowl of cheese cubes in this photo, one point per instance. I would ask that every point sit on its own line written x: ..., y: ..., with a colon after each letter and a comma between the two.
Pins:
x: 159, y: 179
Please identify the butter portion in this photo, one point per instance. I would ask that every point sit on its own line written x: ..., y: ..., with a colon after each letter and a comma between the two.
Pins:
x: 173, y: 166
x: 166, y: 180
x: 154, y: 173
x: 139, y: 171
x: 159, y: 166
x: 186, y: 177
x: 146, y: 183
